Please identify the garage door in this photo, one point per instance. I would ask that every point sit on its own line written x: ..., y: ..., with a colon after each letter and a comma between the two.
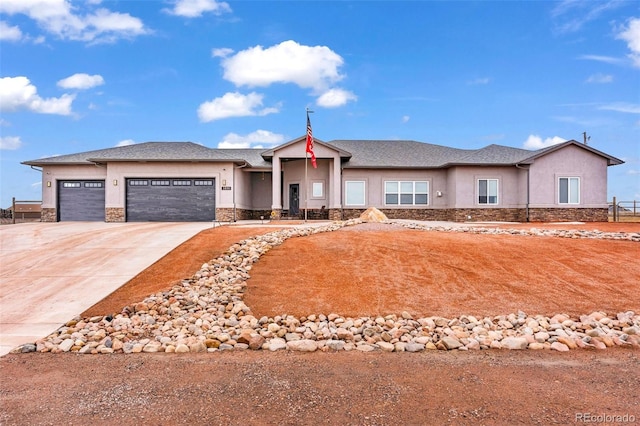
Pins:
x: 171, y: 200
x: 81, y: 200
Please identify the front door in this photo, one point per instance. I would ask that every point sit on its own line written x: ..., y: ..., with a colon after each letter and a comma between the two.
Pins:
x: 294, y: 199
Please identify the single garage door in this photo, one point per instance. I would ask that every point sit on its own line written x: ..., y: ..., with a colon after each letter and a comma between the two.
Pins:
x: 81, y: 200
x: 171, y: 200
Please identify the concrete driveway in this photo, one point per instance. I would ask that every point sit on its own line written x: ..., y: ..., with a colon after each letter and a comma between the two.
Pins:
x: 52, y: 272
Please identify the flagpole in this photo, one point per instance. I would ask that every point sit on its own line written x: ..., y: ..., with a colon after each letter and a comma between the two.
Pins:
x: 308, y: 150
x: 306, y: 187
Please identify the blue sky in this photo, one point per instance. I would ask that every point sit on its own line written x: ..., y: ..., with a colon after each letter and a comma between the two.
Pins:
x: 84, y: 75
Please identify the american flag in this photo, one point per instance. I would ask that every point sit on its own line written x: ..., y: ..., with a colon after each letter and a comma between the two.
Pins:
x: 310, y: 143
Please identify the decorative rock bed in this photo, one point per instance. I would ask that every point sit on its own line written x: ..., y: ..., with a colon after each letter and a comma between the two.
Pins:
x: 207, y: 314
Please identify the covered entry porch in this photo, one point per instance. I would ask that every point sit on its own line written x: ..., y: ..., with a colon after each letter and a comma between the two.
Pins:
x: 298, y: 186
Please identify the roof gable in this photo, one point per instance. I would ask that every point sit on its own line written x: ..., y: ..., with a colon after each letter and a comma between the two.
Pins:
x: 611, y: 160
x: 268, y: 154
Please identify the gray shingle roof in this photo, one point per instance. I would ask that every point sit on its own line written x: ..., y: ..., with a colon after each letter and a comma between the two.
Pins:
x: 495, y: 155
x: 148, y: 151
x: 398, y: 153
x: 253, y: 156
x: 359, y: 153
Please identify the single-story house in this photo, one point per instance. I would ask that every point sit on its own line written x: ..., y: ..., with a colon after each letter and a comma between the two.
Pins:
x: 185, y: 181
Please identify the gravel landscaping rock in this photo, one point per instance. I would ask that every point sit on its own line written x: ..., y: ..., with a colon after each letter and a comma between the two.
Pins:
x: 206, y: 313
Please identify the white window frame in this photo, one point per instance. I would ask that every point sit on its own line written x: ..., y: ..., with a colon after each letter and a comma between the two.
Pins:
x: 317, y: 190
x: 569, y: 191
x: 399, y: 192
x: 497, y: 195
x: 347, y: 201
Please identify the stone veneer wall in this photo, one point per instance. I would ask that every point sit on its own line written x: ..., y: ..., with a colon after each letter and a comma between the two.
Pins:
x: 414, y: 214
x: 255, y: 214
x: 49, y: 214
x: 489, y: 215
x: 335, y: 214
x: 114, y: 214
x: 568, y: 215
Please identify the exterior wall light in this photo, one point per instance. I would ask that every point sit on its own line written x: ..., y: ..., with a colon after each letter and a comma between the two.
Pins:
x: 115, y: 182
x: 48, y: 184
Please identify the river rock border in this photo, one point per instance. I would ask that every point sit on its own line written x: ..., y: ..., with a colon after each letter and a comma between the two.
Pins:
x: 207, y: 314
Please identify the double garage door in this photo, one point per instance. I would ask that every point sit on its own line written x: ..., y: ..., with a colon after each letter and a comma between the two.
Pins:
x: 170, y: 200
x: 152, y: 199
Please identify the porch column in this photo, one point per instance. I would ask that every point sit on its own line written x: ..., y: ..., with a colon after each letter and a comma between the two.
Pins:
x: 334, y: 181
x: 276, y: 196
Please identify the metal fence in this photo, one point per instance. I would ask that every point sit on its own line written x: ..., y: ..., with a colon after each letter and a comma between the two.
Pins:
x: 624, y: 211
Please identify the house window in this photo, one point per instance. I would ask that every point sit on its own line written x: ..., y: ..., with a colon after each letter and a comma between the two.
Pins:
x: 203, y: 182
x: 181, y: 183
x: 160, y: 182
x: 487, y: 191
x: 138, y: 182
x: 569, y: 190
x: 71, y: 184
x: 317, y: 190
x: 406, y: 192
x: 93, y: 184
x: 354, y: 193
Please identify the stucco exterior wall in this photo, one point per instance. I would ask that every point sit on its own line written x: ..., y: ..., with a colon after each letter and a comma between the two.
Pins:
x: 374, y: 186
x: 260, y: 190
x: 116, y: 194
x: 52, y: 174
x: 512, y: 186
x: 294, y: 174
x: 571, y: 161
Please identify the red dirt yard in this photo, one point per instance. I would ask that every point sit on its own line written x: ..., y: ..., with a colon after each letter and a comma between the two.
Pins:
x: 362, y: 270
x: 374, y: 269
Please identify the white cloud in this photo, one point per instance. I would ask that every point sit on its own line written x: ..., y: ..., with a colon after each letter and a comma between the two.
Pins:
x: 571, y: 15
x: 257, y: 139
x: 631, y: 34
x: 195, y: 8
x: 335, y: 97
x: 126, y: 142
x: 10, y: 142
x: 18, y: 93
x: 622, y: 107
x: 536, y: 142
x: 9, y: 33
x: 61, y: 18
x: 81, y: 81
x: 479, y: 81
x: 601, y: 58
x: 633, y: 172
x: 405, y: 118
x: 315, y: 67
x: 221, y: 52
x: 599, y: 78
x: 233, y: 105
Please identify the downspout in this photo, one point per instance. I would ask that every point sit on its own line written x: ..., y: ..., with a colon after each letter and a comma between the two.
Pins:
x: 233, y: 194
x: 528, y: 190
